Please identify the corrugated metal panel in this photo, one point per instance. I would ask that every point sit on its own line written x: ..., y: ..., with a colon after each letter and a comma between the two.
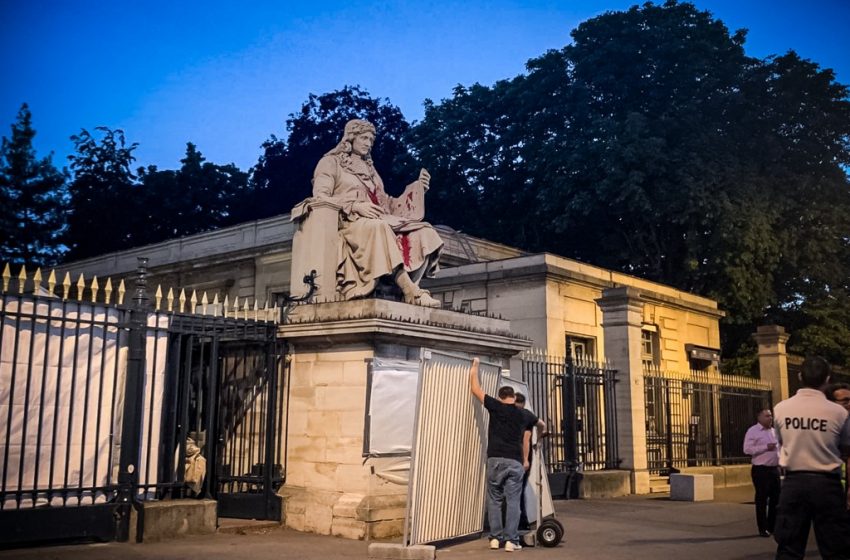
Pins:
x: 446, y: 491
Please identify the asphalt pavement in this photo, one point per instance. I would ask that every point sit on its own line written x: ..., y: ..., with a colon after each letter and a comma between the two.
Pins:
x: 628, y: 528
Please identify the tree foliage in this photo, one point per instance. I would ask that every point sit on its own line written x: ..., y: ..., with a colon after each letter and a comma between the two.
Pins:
x: 104, y: 199
x: 653, y: 145
x: 199, y: 196
x: 33, y: 194
x: 283, y: 175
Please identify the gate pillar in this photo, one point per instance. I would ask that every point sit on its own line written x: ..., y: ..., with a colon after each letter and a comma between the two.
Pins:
x: 773, y: 359
x: 622, y: 314
x: 331, y: 486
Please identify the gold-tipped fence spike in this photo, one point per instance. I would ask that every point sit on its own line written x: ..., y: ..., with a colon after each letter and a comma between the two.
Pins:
x: 66, y: 285
x: 193, y: 302
x: 275, y: 314
x: 182, y: 300
x: 256, y: 309
x: 245, y: 308
x: 36, y: 281
x: 81, y: 287
x: 107, y: 291
x: 7, y: 276
x: 94, y: 289
x: 215, y: 305
x: 236, y: 307
x: 169, y: 300
x: 266, y: 311
x: 22, y: 279
x: 51, y: 283
x: 157, y: 298
x: 204, y: 303
x: 122, y: 289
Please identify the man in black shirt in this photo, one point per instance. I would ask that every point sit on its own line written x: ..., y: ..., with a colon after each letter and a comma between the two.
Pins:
x: 508, y: 444
x: 531, y: 421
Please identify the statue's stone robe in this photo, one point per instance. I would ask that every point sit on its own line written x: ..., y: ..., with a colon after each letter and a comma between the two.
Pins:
x: 371, y: 248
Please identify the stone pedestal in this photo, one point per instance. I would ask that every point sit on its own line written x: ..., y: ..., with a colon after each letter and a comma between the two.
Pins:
x: 315, y: 246
x: 773, y: 359
x: 622, y: 313
x: 330, y: 487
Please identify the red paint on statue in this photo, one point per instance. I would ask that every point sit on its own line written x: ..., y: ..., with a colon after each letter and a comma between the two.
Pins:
x: 373, y: 196
x: 404, y: 245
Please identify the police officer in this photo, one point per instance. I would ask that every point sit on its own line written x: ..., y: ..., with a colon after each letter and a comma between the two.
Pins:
x: 811, y: 431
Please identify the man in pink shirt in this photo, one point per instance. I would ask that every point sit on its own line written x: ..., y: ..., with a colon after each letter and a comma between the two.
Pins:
x: 761, y: 444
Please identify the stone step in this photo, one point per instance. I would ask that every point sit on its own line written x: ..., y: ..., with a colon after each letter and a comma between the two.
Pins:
x: 659, y: 484
x: 233, y: 526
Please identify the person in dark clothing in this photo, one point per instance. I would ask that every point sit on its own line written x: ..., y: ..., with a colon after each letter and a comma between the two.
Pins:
x: 508, y: 444
x: 812, y: 433
x: 531, y: 421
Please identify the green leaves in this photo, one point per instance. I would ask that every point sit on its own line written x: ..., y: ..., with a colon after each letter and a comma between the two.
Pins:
x: 104, y: 209
x: 33, y: 195
x: 653, y: 145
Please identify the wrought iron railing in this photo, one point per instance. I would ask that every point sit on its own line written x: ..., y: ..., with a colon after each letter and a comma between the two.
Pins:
x: 699, y: 418
x: 577, y: 400
x: 99, y: 401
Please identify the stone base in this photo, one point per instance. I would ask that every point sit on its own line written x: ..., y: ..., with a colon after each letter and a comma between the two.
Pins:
x: 640, y: 482
x: 175, y: 518
x: 691, y: 487
x: 605, y: 484
x: 346, y: 515
x: 729, y: 475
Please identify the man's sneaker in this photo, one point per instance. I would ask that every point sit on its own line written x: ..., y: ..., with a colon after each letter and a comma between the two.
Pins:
x: 512, y: 547
x: 494, y: 544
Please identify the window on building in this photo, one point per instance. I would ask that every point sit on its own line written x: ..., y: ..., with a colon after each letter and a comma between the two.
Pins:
x: 649, y: 350
x: 581, y: 348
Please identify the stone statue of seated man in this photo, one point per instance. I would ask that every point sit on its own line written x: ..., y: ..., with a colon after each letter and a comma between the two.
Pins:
x: 379, y: 236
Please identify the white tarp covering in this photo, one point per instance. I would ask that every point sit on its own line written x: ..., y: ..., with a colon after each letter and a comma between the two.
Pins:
x: 62, y: 372
x: 392, y: 406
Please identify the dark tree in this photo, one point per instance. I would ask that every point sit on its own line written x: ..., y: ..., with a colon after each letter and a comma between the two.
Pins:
x: 199, y: 196
x: 653, y: 145
x: 105, y: 199
x: 283, y: 175
x: 33, y: 195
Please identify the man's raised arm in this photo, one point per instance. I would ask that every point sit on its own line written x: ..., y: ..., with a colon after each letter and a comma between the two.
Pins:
x: 474, y: 385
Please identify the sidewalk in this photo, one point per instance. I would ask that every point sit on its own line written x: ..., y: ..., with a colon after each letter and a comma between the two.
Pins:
x: 630, y: 528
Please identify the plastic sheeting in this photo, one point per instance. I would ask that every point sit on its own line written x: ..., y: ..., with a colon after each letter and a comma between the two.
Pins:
x: 62, y: 372
x: 392, y: 406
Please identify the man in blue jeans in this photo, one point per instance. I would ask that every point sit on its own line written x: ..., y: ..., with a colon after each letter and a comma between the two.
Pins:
x: 507, y: 460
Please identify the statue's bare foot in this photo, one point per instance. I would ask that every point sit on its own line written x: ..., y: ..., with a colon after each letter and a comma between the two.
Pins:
x: 423, y: 298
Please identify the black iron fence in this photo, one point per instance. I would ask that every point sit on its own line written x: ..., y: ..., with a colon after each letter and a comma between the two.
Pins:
x: 577, y: 400
x: 699, y: 418
x: 104, y: 406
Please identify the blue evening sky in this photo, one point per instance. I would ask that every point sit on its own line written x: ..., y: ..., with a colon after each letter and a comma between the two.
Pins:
x: 225, y: 75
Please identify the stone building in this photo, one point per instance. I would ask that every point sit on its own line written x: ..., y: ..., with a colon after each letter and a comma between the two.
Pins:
x: 562, y: 306
x: 550, y: 299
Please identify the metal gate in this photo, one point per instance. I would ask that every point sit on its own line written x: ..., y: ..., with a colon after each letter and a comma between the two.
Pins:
x: 577, y: 400
x: 226, y: 399
x: 699, y: 419
x: 104, y: 406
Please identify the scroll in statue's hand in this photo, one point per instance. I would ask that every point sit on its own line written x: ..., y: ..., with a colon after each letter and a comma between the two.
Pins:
x: 367, y: 210
x: 425, y: 179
